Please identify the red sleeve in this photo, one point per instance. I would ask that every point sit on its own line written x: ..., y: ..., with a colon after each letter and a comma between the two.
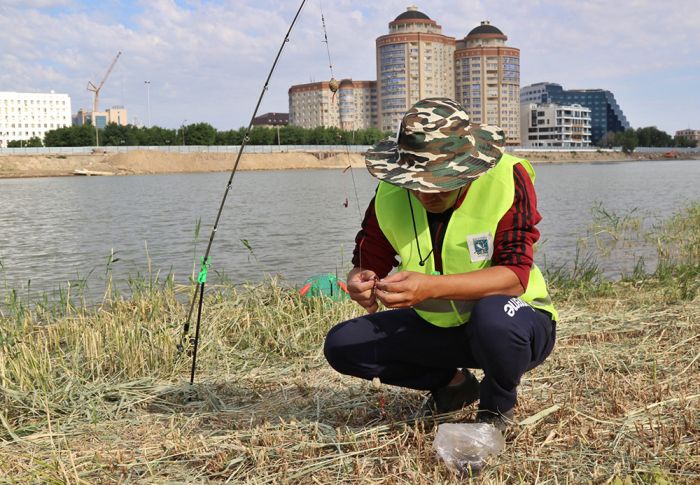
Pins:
x: 372, y: 249
x: 516, y: 232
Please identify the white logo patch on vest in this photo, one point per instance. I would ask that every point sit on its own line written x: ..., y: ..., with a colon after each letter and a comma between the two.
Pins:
x: 480, y: 246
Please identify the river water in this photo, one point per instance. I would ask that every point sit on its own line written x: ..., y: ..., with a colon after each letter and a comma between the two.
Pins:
x: 291, y: 223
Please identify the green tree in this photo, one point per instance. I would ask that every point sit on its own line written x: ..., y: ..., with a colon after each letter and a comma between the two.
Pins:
x: 118, y: 135
x: 197, y: 134
x: 205, y: 134
x: 157, y: 136
x: 628, y: 140
x: 260, y: 135
x: 320, y: 136
x: 651, y: 136
x: 370, y: 136
x: 229, y: 137
x: 71, y: 136
x: 34, y: 142
x: 293, y: 135
x: 683, y: 142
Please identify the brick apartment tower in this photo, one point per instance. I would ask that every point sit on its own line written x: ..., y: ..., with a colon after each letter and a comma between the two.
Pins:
x: 414, y: 61
x: 487, y: 79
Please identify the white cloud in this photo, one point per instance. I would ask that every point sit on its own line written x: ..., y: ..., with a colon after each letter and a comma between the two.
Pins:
x: 37, y: 3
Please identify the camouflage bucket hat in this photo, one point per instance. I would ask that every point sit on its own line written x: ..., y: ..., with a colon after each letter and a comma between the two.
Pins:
x: 437, y: 149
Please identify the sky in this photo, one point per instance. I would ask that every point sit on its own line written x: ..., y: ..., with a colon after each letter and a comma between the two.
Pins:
x: 207, y: 60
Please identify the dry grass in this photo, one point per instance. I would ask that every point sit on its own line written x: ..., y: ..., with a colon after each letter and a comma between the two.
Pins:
x: 101, y: 396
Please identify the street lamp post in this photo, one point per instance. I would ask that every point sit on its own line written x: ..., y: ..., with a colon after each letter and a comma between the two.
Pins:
x: 148, y: 100
x: 183, y: 131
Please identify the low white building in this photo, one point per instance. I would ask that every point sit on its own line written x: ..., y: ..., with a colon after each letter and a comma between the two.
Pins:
x: 555, y: 126
x: 26, y: 115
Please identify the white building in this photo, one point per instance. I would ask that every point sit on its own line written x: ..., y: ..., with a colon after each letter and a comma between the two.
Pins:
x: 352, y: 107
x: 555, y: 126
x: 26, y: 115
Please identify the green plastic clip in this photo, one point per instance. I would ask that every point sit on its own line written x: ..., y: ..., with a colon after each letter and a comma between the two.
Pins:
x: 436, y: 273
x: 202, y: 278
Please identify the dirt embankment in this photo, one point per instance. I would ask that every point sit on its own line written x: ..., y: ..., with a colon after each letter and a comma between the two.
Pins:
x: 152, y: 162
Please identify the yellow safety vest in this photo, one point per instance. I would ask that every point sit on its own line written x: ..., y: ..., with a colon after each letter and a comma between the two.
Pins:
x: 468, y: 241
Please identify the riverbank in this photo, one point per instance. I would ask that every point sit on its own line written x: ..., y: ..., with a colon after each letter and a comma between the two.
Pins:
x: 152, y: 162
x: 100, y: 394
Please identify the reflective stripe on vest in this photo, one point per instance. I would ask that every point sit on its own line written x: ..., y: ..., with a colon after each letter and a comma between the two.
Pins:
x: 468, y: 241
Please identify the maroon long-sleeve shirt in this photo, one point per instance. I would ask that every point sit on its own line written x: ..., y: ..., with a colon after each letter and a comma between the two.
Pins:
x: 513, y: 242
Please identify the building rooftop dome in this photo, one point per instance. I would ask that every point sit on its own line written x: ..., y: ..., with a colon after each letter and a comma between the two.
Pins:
x: 412, y: 13
x: 485, y: 28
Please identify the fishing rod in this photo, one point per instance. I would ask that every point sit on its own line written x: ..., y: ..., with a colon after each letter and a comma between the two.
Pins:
x: 198, y: 294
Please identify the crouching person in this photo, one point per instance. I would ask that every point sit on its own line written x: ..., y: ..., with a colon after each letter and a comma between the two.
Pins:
x: 460, y: 214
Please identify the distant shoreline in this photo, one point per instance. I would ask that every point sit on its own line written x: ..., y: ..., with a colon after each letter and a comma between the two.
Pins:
x: 143, y: 162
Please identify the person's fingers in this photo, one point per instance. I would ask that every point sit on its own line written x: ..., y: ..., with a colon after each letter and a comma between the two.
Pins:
x: 360, y: 286
x: 368, y: 275
x: 393, y: 286
x: 393, y: 300
x: 365, y: 298
x: 400, y: 276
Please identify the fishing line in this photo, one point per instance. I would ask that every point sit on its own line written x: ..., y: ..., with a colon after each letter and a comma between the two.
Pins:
x: 354, y: 184
x: 205, y: 261
x: 333, y: 85
x: 325, y: 40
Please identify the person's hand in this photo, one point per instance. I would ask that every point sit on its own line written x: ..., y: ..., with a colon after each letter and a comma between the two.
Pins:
x: 404, y: 289
x: 361, y: 288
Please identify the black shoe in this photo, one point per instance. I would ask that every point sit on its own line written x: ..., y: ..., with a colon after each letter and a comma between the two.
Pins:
x: 501, y: 421
x: 453, y: 398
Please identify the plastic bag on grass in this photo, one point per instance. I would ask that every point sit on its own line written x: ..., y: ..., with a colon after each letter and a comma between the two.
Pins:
x: 465, y: 446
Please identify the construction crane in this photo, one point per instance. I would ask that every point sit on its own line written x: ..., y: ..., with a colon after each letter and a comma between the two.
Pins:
x: 96, y: 89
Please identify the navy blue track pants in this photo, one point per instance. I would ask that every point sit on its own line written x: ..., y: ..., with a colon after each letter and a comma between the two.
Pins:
x: 404, y: 350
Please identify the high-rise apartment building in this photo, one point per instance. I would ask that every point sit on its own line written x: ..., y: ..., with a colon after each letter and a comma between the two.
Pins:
x: 555, y: 126
x: 414, y: 61
x: 26, y: 115
x: 357, y: 104
x: 606, y: 114
x: 352, y: 107
x: 487, y: 79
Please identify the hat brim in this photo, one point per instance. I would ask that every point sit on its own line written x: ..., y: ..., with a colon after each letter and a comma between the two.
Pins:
x: 450, y: 172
